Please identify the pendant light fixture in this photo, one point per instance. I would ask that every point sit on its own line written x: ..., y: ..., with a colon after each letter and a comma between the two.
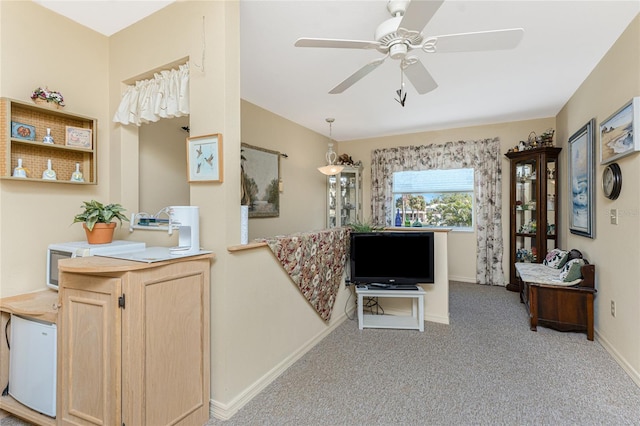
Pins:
x: 331, y: 169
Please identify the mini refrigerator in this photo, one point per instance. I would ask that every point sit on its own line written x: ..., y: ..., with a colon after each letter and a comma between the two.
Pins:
x: 32, y: 364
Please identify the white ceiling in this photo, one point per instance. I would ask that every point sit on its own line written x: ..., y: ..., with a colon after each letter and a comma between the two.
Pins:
x: 563, y: 41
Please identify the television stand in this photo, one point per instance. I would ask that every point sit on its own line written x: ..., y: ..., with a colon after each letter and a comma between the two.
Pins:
x: 414, y: 322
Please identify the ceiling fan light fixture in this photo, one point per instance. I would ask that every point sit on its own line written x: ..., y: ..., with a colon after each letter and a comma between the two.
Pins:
x: 398, y: 51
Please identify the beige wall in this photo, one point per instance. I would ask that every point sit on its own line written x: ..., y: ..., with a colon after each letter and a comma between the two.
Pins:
x: 163, y: 165
x: 302, y: 201
x: 39, y: 48
x: 462, y: 245
x: 615, y: 249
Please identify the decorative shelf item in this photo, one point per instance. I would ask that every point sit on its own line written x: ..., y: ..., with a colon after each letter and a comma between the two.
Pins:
x: 19, y: 171
x: 23, y: 131
x: 77, y: 175
x: 48, y: 98
x: 48, y: 139
x: 49, y: 173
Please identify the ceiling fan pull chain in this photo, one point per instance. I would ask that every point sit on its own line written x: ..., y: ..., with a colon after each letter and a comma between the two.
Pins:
x: 402, y: 95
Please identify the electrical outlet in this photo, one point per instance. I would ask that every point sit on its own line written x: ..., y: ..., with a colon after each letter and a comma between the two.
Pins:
x: 613, y: 309
x: 613, y: 213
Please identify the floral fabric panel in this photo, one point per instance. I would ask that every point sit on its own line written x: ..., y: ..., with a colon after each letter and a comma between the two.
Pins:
x: 315, y: 262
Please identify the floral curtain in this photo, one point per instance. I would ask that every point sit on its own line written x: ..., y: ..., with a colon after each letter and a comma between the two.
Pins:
x: 166, y: 95
x: 481, y: 155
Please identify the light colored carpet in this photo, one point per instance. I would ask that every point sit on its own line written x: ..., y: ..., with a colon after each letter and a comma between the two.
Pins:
x: 485, y: 368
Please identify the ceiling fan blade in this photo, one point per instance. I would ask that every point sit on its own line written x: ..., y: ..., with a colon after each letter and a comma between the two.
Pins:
x: 336, y: 43
x: 419, y: 76
x: 419, y: 13
x: 483, y: 40
x: 356, y: 76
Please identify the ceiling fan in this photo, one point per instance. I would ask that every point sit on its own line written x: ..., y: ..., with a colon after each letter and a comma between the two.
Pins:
x: 398, y: 36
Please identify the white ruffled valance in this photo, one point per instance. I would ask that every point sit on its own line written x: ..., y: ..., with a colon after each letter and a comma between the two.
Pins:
x: 166, y: 95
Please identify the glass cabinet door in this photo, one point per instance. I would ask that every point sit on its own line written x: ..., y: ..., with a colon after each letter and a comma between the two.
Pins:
x: 551, y: 206
x: 344, y: 197
x: 526, y: 206
x: 332, y: 201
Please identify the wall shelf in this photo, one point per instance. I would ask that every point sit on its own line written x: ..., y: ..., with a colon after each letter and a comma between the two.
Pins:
x: 35, y: 154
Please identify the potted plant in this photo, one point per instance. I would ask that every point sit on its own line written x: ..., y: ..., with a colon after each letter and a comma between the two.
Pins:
x: 98, y: 220
x: 364, y: 226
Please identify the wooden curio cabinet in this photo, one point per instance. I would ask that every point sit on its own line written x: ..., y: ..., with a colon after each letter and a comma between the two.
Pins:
x: 533, y: 207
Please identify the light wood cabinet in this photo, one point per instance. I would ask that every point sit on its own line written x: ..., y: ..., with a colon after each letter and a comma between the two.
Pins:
x: 35, y: 154
x: 133, y: 342
x: 533, y: 207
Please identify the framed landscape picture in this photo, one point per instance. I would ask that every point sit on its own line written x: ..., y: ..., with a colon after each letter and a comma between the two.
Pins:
x: 619, y: 133
x: 261, y: 178
x: 581, y: 184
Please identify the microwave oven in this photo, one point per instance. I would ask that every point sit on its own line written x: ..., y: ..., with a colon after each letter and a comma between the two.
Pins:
x: 56, y: 252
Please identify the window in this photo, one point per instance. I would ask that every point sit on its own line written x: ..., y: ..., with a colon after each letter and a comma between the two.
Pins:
x: 435, y: 198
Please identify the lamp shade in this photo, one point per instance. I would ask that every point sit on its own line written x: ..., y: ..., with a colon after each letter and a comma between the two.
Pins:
x: 331, y: 169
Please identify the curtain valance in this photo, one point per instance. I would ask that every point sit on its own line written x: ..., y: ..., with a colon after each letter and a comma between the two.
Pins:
x: 166, y: 95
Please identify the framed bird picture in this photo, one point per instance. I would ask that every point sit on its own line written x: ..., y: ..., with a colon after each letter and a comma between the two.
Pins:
x: 204, y: 158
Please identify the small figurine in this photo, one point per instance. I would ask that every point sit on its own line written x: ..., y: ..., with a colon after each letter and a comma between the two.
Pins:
x: 49, y: 173
x: 77, y: 175
x: 19, y: 171
x: 48, y: 138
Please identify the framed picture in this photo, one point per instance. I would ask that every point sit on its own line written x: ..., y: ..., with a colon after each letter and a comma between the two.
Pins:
x: 619, y: 133
x: 204, y: 158
x: 581, y: 184
x: 260, y: 180
x: 78, y: 137
x: 23, y: 131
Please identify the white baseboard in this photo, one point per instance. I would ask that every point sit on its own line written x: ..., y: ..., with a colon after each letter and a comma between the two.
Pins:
x: 462, y: 279
x: 223, y: 411
x: 618, y: 358
x: 437, y: 318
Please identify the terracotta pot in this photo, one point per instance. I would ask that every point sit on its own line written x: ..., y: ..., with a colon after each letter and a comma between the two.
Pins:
x: 102, y: 233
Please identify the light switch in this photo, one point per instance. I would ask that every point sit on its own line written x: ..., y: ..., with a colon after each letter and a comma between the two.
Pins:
x: 614, y: 216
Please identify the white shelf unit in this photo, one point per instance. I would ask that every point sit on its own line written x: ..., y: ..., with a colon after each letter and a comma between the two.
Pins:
x: 413, y: 322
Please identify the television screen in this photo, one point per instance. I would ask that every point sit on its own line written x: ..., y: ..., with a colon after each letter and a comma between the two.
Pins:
x: 392, y: 257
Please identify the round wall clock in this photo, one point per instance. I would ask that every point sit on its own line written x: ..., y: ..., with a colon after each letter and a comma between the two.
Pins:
x: 612, y: 181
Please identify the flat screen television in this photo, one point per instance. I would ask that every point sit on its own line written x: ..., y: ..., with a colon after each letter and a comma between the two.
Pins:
x: 392, y: 258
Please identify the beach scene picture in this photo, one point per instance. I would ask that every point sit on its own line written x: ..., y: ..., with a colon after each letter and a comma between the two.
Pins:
x: 580, y: 184
x: 581, y: 178
x: 617, y: 134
